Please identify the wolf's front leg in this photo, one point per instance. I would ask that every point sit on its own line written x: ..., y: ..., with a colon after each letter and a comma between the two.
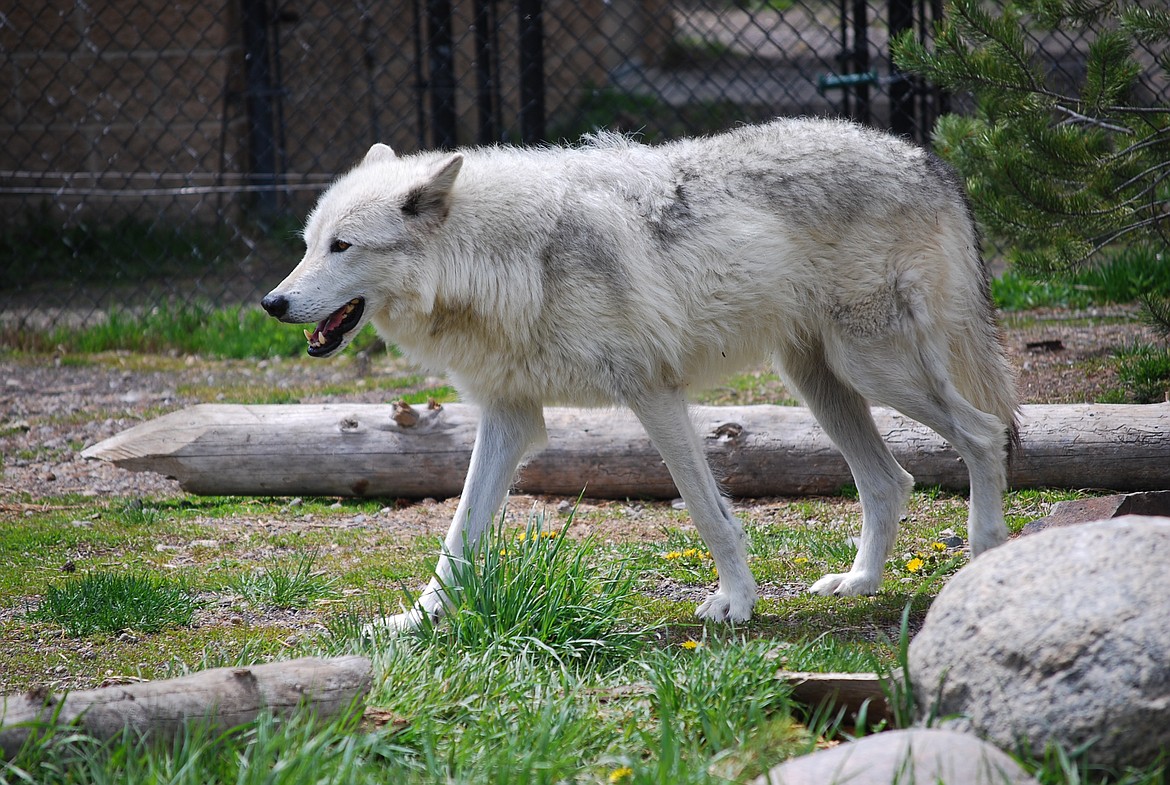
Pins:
x: 666, y: 420
x: 505, y: 434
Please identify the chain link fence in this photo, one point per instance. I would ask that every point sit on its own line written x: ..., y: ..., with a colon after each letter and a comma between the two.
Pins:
x: 159, y: 152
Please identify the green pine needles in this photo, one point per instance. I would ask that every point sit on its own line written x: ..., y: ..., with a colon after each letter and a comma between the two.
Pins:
x: 1061, y: 172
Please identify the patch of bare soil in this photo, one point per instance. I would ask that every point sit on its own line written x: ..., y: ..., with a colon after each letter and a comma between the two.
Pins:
x: 51, y: 409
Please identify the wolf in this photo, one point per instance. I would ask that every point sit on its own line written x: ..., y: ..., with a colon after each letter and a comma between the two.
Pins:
x: 612, y: 272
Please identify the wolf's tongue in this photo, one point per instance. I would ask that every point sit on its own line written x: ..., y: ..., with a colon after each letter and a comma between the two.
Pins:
x: 334, y: 320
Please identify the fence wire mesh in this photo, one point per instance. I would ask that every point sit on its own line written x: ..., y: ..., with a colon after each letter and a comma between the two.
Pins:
x: 163, y: 152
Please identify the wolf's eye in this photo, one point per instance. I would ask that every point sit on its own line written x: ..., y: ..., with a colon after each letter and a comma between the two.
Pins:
x: 337, y: 246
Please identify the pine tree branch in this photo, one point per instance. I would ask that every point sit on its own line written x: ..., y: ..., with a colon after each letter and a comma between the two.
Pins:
x: 1075, y: 117
x: 1105, y: 241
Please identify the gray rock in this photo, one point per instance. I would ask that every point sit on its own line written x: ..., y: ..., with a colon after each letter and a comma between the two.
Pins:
x: 1062, y: 636
x: 903, y: 757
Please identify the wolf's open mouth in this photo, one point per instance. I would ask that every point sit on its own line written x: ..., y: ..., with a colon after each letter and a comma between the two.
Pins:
x: 331, y: 330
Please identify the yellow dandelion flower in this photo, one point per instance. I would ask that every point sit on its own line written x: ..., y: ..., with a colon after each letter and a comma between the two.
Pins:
x: 549, y: 535
x: 522, y: 536
x: 690, y: 645
x: 915, y: 564
x: 673, y: 555
x: 800, y: 560
x: 620, y: 774
x: 504, y: 552
x: 691, y: 553
x: 938, y: 547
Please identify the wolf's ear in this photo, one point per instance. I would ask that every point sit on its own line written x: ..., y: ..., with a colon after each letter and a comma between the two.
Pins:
x: 378, y: 153
x: 432, y: 199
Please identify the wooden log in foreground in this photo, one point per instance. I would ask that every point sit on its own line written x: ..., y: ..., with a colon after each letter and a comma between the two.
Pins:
x: 223, y: 697
x: 361, y: 450
x: 836, y: 691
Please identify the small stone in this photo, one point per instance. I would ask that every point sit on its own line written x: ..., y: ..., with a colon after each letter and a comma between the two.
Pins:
x: 678, y: 504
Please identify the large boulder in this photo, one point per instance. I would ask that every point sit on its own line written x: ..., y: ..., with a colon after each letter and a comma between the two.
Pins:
x: 903, y: 757
x: 1062, y: 636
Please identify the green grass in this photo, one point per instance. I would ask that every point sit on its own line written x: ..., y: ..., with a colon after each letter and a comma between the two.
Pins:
x: 111, y: 603
x: 233, y: 332
x: 597, y: 678
x: 535, y: 589
x: 125, y: 250
x: 285, y: 585
x: 1144, y: 373
x: 1125, y: 278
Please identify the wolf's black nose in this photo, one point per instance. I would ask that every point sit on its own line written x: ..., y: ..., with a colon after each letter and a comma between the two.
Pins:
x: 275, y: 304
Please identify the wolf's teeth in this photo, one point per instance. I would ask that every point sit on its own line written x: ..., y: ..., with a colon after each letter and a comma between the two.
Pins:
x: 308, y: 336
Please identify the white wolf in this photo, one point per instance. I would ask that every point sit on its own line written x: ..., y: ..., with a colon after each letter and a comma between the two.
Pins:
x: 620, y: 273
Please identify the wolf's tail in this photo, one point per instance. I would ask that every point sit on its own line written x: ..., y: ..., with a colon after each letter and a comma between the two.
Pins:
x: 979, y: 364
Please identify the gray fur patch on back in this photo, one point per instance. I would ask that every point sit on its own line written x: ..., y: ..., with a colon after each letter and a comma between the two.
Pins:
x: 578, y: 258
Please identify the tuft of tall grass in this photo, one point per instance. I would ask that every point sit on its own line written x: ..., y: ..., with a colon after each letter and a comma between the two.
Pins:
x: 110, y: 603
x: 537, y: 590
x: 1144, y: 373
x: 281, y: 585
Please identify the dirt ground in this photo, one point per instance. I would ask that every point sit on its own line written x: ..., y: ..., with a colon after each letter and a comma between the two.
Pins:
x: 53, y: 407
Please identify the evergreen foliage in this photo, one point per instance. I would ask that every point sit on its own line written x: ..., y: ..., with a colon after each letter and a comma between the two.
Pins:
x: 1062, y: 174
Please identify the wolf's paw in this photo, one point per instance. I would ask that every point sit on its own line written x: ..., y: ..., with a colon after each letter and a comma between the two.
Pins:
x: 846, y: 584
x: 727, y: 606
x: 390, y: 626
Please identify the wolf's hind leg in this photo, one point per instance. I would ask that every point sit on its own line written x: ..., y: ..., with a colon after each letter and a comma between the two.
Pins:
x: 917, y: 383
x: 883, y: 486
x: 664, y: 416
x: 504, y: 435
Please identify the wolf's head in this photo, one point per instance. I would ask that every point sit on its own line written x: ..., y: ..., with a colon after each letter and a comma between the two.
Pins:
x: 361, y: 242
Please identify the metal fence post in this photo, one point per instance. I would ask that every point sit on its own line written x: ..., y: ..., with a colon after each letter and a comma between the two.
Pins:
x: 861, y: 59
x: 902, y: 114
x: 487, y: 87
x: 441, y: 59
x: 532, y: 119
x: 262, y: 151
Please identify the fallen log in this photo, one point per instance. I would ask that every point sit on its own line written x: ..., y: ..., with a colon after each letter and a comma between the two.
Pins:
x: 223, y: 697
x: 379, y: 450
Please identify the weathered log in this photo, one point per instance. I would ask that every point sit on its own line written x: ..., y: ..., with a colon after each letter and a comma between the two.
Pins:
x: 836, y: 691
x: 223, y: 697
x: 377, y: 450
